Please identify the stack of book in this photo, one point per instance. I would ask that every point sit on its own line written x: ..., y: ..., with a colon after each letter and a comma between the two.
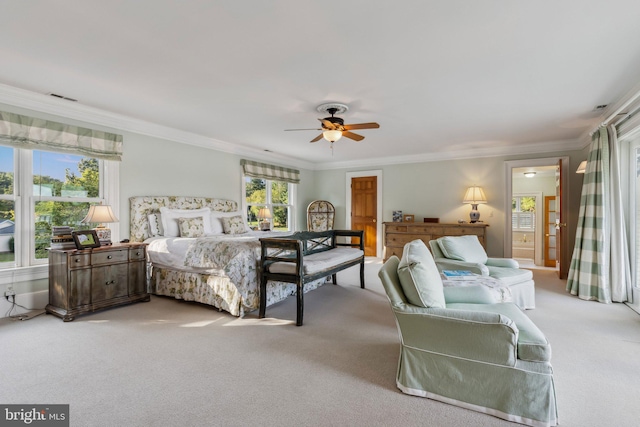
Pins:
x: 61, y: 238
x: 458, y: 275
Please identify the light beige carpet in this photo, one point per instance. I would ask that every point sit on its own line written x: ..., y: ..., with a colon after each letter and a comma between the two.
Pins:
x: 171, y: 363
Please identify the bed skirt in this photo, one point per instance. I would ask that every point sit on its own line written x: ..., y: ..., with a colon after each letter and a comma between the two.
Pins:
x: 219, y: 291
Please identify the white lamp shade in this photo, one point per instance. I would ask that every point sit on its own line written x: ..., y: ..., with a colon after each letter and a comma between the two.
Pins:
x: 582, y: 168
x: 100, y: 214
x: 332, y: 135
x: 264, y: 213
x: 474, y: 195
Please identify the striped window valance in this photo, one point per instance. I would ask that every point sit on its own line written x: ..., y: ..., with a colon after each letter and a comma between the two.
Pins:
x: 265, y: 171
x: 29, y: 132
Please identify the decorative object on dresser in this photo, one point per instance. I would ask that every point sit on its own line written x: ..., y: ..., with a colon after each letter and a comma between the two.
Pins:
x: 101, y: 214
x: 264, y: 219
x: 62, y: 237
x: 85, y: 239
x: 474, y: 196
x: 431, y: 220
x: 396, y: 235
x: 88, y: 280
x: 408, y: 218
x: 397, y: 216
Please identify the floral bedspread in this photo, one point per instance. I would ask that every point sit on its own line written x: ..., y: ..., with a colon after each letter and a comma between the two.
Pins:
x: 236, y: 288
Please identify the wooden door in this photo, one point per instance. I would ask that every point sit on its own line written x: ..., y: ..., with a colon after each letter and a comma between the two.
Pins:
x: 364, y: 203
x: 550, y: 238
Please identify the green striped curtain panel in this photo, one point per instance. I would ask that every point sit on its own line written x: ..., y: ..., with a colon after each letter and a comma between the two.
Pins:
x: 32, y: 133
x: 589, y: 270
x: 265, y: 171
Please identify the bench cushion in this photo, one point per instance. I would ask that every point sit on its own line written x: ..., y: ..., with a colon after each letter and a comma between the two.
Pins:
x: 510, y: 276
x: 318, y: 261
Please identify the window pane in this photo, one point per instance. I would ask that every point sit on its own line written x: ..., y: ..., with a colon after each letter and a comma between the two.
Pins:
x: 7, y: 231
x: 280, y: 192
x: 252, y: 216
x: 255, y: 190
x: 66, y: 175
x: 280, y: 218
x: 6, y: 170
x: 49, y: 213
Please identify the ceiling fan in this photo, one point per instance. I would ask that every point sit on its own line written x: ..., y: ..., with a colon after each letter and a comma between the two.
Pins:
x: 333, y: 128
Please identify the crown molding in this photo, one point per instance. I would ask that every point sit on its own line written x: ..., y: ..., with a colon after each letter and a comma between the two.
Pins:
x: 59, y: 107
x: 536, y: 148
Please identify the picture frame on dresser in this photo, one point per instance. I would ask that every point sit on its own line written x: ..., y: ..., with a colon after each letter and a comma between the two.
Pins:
x: 85, y: 239
x: 408, y: 218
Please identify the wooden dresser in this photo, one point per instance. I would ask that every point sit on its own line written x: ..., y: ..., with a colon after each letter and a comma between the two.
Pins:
x: 397, y: 234
x: 83, y: 281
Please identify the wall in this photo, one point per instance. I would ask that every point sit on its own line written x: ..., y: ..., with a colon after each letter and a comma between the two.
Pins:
x: 435, y: 189
x: 153, y: 166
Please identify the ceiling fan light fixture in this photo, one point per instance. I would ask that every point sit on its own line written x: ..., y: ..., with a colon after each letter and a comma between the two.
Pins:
x: 332, y: 135
x: 529, y: 174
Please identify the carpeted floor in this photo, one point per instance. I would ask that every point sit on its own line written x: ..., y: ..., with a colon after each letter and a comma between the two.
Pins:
x: 170, y: 363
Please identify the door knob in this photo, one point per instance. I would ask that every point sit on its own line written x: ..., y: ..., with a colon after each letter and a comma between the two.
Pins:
x: 374, y: 220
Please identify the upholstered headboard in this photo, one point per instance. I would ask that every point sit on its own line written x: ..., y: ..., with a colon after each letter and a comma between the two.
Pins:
x: 141, y: 206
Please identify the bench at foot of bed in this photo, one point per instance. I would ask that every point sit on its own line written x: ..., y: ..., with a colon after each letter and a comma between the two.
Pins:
x: 307, y: 256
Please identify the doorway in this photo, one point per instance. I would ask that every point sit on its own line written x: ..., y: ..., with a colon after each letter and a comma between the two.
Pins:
x: 547, y: 177
x: 364, y: 207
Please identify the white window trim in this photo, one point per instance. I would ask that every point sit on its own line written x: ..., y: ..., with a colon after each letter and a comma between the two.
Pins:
x: 293, y: 195
x: 39, y: 269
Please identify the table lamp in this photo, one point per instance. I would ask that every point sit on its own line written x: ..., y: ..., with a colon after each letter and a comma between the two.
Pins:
x: 474, y: 196
x: 264, y: 217
x: 101, y: 214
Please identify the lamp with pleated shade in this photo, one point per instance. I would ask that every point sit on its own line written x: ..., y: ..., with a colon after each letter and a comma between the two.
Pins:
x: 101, y: 214
x: 474, y: 196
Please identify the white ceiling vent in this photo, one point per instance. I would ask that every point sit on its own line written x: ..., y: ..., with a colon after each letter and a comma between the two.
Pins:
x: 55, y: 95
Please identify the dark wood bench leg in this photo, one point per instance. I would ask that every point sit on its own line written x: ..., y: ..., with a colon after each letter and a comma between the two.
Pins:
x: 263, y: 297
x: 300, y: 304
x: 334, y: 278
x: 362, y: 274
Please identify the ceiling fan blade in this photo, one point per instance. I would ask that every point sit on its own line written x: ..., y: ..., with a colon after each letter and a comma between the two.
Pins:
x: 371, y: 125
x: 317, y: 138
x: 352, y: 135
x: 286, y: 130
x: 327, y: 125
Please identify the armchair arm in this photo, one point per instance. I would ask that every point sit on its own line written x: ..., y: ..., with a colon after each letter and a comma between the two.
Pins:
x: 452, y: 264
x: 474, y: 335
x: 503, y: 262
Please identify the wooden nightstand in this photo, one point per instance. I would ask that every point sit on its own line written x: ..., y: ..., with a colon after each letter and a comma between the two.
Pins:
x: 88, y: 280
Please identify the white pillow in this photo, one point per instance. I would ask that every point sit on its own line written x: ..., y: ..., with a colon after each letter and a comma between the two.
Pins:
x: 170, y: 219
x: 216, y: 220
x: 463, y: 248
x: 155, y: 224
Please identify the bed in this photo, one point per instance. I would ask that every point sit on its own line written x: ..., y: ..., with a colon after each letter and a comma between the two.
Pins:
x: 216, y: 268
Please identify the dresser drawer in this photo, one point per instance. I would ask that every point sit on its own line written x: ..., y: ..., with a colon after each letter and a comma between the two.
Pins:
x: 402, y: 239
x: 79, y: 260
x: 109, y: 257
x: 136, y: 254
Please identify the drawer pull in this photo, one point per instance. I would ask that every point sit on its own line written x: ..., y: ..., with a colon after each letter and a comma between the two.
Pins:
x: 109, y: 257
x: 77, y: 260
x: 110, y: 282
x: 137, y: 253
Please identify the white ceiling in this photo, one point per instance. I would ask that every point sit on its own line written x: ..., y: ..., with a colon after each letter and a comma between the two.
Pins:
x: 444, y: 79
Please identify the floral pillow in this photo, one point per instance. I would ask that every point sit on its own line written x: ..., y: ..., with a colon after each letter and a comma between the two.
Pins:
x: 191, y: 227
x: 234, y: 225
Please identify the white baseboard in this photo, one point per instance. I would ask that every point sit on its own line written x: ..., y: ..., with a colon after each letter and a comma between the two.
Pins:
x: 31, y: 300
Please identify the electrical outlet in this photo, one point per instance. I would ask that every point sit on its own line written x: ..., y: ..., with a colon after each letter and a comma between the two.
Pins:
x: 9, y: 292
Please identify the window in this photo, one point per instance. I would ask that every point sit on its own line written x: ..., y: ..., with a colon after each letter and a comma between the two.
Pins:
x: 523, y: 213
x: 275, y: 195
x: 40, y: 189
